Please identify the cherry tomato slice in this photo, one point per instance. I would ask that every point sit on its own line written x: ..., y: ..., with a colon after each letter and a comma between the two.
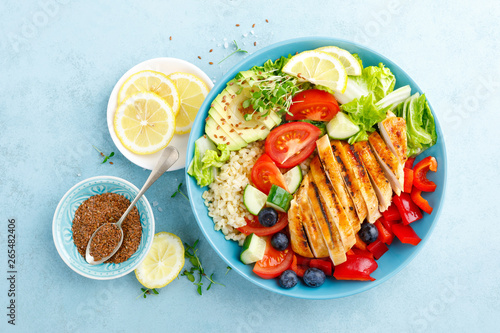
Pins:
x: 265, y: 173
x: 274, y: 262
x: 290, y: 144
x: 313, y: 104
x: 253, y: 226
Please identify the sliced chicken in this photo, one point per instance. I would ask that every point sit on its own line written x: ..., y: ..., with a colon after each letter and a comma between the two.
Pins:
x: 332, y: 171
x: 334, y: 210
x: 298, y: 236
x: 313, y: 232
x: 329, y: 231
x: 393, y: 131
x: 391, y: 165
x: 365, y: 184
x: 351, y: 182
x: 380, y: 183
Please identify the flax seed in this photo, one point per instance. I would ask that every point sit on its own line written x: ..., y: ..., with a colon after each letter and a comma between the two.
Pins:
x: 199, y: 57
x: 210, y: 63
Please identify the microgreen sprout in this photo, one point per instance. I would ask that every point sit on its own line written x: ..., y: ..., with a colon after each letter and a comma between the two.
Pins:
x: 236, y: 51
x: 106, y: 157
x: 179, y: 191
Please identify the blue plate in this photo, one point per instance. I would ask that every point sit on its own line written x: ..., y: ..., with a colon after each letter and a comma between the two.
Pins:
x: 398, y: 256
x: 63, y: 221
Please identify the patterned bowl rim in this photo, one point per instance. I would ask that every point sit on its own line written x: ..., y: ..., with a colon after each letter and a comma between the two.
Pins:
x: 56, y: 230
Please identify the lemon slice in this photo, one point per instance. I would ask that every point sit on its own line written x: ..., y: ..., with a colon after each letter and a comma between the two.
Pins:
x: 144, y: 123
x: 319, y: 68
x: 351, y: 64
x: 163, y: 262
x: 151, y: 81
x: 192, y: 91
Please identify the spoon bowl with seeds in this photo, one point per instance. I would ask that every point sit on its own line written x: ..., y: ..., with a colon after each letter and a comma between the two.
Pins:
x: 108, y: 238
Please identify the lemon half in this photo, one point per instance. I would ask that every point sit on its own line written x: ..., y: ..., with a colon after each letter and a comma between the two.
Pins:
x: 151, y: 81
x: 144, y: 123
x: 163, y: 262
x: 319, y: 68
x: 192, y: 92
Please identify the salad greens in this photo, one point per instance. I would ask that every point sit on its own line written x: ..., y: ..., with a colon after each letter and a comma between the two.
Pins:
x: 365, y: 114
x: 420, y: 127
x: 275, y: 89
x: 377, y: 80
x: 207, y: 158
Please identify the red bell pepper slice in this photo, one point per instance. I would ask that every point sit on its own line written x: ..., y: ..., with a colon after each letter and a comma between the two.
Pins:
x: 356, y: 268
x: 405, y: 234
x: 359, y: 243
x: 325, y: 265
x: 377, y: 248
x: 388, y: 225
x: 391, y: 213
x: 383, y: 234
x: 408, y: 180
x: 420, y: 180
x: 409, y: 163
x: 416, y: 197
x: 362, y: 253
x: 408, y: 210
x: 299, y: 265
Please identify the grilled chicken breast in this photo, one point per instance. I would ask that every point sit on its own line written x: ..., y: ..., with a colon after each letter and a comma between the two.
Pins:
x: 391, y: 165
x: 393, y: 131
x: 365, y: 184
x: 298, y: 236
x: 350, y: 180
x: 313, y: 232
x: 380, y: 183
x: 334, y: 210
x: 332, y: 171
x: 329, y: 230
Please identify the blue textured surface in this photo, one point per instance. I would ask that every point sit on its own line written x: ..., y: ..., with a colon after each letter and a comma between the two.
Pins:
x: 59, y: 64
x: 399, y: 254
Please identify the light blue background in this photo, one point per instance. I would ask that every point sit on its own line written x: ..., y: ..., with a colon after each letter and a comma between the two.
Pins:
x: 58, y: 65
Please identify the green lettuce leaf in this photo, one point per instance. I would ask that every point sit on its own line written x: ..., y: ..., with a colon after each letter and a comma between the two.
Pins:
x: 378, y: 80
x: 420, y: 126
x: 364, y: 113
x: 207, y: 158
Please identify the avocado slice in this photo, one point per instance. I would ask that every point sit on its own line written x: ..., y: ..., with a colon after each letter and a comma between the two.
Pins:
x: 219, y: 136
x: 226, y: 126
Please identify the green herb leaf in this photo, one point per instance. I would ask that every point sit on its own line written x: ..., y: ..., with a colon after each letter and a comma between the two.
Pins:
x: 106, y: 157
x: 179, y: 192
x: 236, y: 51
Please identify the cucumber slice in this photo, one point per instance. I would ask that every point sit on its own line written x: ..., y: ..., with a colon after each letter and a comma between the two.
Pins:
x: 253, y: 249
x: 279, y: 199
x: 293, y: 178
x: 341, y: 127
x: 253, y: 199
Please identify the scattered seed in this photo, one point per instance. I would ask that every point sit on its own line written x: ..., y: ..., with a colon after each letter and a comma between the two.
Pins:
x: 170, y: 37
x: 111, y: 163
x: 199, y: 57
x: 254, y: 43
x: 211, y: 50
x: 210, y: 63
x: 237, y: 25
x: 267, y: 21
x: 253, y: 25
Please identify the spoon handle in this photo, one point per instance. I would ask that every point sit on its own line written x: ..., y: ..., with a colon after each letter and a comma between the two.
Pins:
x: 169, y: 156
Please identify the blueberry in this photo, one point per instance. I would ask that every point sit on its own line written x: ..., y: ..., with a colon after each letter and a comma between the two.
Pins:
x: 268, y: 217
x: 368, y: 233
x: 288, y: 279
x: 279, y: 241
x: 314, y: 277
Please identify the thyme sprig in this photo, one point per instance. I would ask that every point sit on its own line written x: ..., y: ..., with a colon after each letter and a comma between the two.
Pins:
x: 190, y: 253
x: 236, y: 51
x: 106, y: 157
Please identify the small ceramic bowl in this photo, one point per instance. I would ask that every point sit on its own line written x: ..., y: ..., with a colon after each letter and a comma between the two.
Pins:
x: 63, y: 221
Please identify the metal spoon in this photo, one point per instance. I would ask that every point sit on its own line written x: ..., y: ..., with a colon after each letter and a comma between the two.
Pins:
x: 169, y: 156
